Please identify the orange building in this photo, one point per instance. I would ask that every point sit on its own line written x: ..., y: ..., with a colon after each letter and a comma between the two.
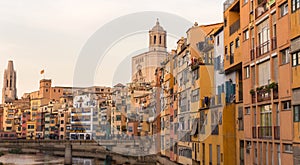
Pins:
x: 295, y: 60
x: 257, y: 37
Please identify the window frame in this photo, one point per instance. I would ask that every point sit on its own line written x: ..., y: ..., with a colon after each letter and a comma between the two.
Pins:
x: 284, y: 53
x: 284, y: 9
x: 296, y: 116
x: 296, y: 58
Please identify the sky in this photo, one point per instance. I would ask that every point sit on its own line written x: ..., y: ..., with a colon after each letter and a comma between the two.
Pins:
x: 50, y: 35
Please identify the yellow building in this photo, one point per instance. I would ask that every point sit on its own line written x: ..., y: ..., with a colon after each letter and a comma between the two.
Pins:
x: 31, y: 130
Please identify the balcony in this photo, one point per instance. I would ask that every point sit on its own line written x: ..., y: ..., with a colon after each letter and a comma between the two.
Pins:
x: 263, y: 95
x: 227, y: 4
x: 263, y: 49
x: 195, y: 63
x: 261, y: 8
x: 252, y: 54
x: 234, y: 27
x: 254, y: 133
x: 274, y: 43
x: 265, y: 132
x: 277, y: 132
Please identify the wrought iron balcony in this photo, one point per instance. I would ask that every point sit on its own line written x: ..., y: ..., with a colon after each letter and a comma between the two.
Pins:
x: 263, y: 95
x: 263, y: 49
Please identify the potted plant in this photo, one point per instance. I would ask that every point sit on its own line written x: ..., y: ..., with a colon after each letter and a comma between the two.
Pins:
x: 252, y: 91
x: 273, y: 85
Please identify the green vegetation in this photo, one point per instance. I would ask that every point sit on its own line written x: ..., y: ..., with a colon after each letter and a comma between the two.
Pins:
x: 15, y: 151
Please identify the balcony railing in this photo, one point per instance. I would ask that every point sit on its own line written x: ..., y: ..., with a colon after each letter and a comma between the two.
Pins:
x: 261, y: 8
x: 263, y: 49
x: 265, y: 132
x: 234, y: 27
x: 277, y: 132
x: 263, y: 95
x: 274, y: 43
x: 254, y: 133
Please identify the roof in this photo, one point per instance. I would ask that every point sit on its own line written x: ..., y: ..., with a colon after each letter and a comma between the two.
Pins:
x: 157, y: 27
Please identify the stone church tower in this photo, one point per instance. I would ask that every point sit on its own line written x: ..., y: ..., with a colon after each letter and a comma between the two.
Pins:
x: 9, y: 90
x: 145, y: 64
x: 157, y: 38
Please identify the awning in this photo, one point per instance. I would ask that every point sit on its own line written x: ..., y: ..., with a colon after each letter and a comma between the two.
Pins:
x: 194, y: 127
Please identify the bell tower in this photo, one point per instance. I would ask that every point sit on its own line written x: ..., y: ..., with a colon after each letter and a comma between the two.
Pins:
x: 9, y: 90
x: 157, y: 38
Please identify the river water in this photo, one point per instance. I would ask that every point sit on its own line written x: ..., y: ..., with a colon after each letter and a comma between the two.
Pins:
x: 39, y: 159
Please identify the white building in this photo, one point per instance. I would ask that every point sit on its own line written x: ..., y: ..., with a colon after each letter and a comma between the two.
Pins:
x: 82, y: 117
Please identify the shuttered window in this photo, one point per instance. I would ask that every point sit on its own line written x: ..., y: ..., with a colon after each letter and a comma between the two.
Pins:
x: 264, y: 73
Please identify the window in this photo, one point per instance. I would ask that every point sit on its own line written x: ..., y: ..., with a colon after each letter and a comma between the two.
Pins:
x: 264, y: 75
x: 247, y: 111
x: 283, y: 9
x: 130, y: 129
x: 242, y: 152
x: 61, y: 122
x: 286, y: 105
x: 266, y: 120
x: 296, y: 58
x: 231, y: 48
x: 118, y: 118
x: 288, y: 148
x: 218, y: 40
x: 240, y: 119
x: 195, y: 95
x: 226, y: 50
x: 297, y: 113
x: 246, y: 34
x: 61, y: 129
x: 285, y: 56
x: 237, y: 42
x: 295, y: 5
x: 247, y: 72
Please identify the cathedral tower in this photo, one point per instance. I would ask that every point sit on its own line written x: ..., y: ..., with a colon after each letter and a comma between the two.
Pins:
x: 9, y: 90
x: 157, y: 38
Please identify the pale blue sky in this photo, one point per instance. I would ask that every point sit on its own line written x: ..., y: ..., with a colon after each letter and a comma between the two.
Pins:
x: 49, y: 34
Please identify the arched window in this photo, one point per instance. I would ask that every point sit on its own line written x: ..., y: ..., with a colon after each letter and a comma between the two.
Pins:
x: 159, y: 39
x: 154, y: 39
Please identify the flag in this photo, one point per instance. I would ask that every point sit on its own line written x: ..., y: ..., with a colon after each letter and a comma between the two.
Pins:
x: 42, y: 71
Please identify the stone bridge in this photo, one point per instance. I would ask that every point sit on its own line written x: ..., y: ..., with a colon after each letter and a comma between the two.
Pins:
x: 121, y: 151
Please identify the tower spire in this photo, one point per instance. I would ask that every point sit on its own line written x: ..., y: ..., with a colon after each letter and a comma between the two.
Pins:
x: 9, y: 90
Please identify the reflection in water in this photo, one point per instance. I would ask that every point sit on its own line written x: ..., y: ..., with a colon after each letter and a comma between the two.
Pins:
x: 39, y: 159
